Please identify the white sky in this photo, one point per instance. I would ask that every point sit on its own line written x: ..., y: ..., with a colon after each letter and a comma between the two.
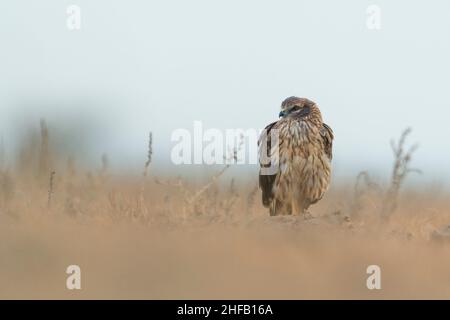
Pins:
x: 159, y: 65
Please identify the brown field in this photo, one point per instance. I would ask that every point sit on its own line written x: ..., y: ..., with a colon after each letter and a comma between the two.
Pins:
x: 150, y: 237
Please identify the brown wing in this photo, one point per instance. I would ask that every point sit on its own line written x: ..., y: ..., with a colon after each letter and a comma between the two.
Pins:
x: 266, y: 181
x: 327, y: 136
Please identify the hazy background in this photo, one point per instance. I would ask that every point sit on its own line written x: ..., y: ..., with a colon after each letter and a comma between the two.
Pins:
x: 137, y: 66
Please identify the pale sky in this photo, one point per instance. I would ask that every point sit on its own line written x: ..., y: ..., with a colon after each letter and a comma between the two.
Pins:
x: 136, y: 66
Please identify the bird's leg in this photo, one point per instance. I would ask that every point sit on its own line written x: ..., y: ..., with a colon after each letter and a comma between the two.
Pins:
x: 306, y: 214
x: 273, y: 208
x: 277, y: 208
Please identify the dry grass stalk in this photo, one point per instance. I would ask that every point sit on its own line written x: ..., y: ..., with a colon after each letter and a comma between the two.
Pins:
x: 233, y: 156
x: 149, y: 154
x: 400, y: 170
x: 364, y: 185
x: 44, y: 152
x: 231, y: 199
x: 201, y: 195
x: 142, y: 207
x: 50, y: 189
x: 384, y: 201
x: 202, y: 202
x: 105, y: 164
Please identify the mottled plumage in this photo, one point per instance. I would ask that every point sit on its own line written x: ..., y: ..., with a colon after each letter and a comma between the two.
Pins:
x: 305, y: 150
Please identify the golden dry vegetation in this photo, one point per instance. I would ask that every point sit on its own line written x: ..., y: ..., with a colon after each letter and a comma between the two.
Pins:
x: 153, y: 237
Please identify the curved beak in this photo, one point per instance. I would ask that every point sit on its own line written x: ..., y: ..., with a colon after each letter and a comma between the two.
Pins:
x: 282, y: 114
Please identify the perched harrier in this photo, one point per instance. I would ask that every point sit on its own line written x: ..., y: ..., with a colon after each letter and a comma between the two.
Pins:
x: 302, y: 173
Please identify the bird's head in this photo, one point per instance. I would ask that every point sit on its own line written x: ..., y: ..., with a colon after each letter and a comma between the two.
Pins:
x: 296, y: 107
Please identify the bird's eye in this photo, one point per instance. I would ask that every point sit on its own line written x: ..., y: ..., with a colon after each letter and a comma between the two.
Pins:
x: 295, y: 108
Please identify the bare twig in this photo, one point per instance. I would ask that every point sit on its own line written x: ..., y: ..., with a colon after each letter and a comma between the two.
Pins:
x: 400, y: 170
x: 149, y: 154
x: 142, y: 206
x: 50, y: 189
x: 232, y: 156
x: 363, y: 185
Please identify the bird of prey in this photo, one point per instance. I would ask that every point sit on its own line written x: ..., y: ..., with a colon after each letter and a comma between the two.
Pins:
x: 303, y: 167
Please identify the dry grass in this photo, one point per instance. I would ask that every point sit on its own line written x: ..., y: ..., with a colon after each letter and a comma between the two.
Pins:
x: 160, y: 237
